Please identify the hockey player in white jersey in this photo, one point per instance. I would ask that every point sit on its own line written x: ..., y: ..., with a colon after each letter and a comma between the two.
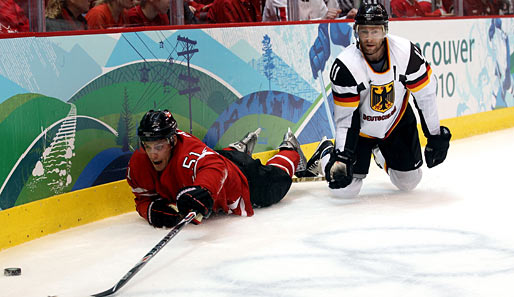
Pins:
x: 372, y: 82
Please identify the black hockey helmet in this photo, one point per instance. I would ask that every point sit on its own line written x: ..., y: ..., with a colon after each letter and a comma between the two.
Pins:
x: 371, y: 13
x: 157, y: 124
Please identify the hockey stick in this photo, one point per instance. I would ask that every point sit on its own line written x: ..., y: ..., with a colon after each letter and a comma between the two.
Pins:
x: 307, y: 179
x: 327, y: 106
x: 148, y: 256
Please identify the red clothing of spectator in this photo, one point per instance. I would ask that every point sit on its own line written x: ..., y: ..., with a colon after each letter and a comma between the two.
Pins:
x: 100, y: 17
x: 200, y: 5
x: 204, y: 2
x: 201, y: 8
x: 406, y: 8
x: 447, y: 5
x: 481, y: 7
x: 426, y: 5
x: 135, y: 16
x: 12, y: 18
x: 235, y: 11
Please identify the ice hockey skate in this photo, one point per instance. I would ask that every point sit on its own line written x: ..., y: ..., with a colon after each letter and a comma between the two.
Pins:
x: 247, y: 144
x: 290, y: 142
x: 313, y: 168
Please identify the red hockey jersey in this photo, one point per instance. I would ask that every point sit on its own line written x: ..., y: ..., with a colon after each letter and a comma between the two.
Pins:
x: 192, y: 163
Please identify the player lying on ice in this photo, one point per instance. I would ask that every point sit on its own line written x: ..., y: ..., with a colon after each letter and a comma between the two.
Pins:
x: 372, y: 82
x: 175, y: 170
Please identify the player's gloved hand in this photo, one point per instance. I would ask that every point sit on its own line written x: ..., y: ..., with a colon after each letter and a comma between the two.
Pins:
x: 339, y: 169
x: 437, y: 147
x: 194, y: 198
x: 320, y: 50
x: 161, y: 214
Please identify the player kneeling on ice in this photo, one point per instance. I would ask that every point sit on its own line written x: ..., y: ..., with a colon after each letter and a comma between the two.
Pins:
x: 173, y: 173
x: 372, y: 81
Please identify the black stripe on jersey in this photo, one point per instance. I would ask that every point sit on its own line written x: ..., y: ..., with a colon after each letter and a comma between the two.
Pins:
x: 416, y: 59
x: 423, y: 122
x: 352, y: 136
x: 340, y: 75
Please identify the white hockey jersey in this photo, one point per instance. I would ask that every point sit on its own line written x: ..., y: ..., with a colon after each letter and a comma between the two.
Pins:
x: 381, y: 97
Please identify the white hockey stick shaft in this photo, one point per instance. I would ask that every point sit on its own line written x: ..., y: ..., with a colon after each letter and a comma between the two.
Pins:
x: 327, y: 106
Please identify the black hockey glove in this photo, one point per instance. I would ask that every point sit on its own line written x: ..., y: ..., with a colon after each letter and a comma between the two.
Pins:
x: 339, y: 169
x: 161, y: 214
x: 437, y: 147
x: 194, y: 198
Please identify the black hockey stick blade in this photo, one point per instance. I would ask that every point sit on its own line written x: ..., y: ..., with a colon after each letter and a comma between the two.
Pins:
x: 190, y: 216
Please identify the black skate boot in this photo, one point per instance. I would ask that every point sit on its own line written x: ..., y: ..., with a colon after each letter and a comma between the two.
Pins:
x: 290, y: 142
x: 247, y: 144
x: 325, y: 147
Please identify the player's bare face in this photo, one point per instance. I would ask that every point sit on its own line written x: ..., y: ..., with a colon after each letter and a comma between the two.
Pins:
x: 371, y: 41
x: 159, y: 153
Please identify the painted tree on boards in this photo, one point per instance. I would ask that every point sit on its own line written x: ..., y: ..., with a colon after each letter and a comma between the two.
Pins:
x: 267, y: 57
x: 125, y: 125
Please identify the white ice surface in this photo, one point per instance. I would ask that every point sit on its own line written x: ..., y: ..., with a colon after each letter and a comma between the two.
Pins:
x: 451, y: 237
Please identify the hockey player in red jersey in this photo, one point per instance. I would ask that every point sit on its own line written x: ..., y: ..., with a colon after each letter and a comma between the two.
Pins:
x: 372, y: 82
x: 173, y: 173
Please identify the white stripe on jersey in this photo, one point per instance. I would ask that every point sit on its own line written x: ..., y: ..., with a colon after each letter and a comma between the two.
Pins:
x: 413, y: 76
x: 281, y: 167
x: 204, y: 153
x: 334, y: 71
x: 143, y: 192
x: 283, y: 157
x: 239, y: 203
x: 345, y: 90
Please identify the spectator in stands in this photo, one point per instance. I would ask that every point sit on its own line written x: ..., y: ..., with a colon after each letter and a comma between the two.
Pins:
x: 12, y: 18
x: 347, y: 8
x: 426, y: 5
x: 276, y: 10
x: 507, y: 7
x: 439, y: 10
x: 234, y: 11
x: 406, y: 8
x: 108, y: 14
x: 66, y: 15
x: 481, y: 7
x: 189, y: 14
x: 200, y: 8
x: 149, y: 13
x: 447, y: 5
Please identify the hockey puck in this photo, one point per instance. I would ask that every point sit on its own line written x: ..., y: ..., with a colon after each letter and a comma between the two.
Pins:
x: 12, y: 271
